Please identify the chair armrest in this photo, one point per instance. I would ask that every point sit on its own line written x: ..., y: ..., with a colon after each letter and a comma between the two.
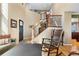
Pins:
x: 54, y: 43
x: 45, y: 39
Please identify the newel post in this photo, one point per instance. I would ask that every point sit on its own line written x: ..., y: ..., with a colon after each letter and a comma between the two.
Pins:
x: 32, y: 34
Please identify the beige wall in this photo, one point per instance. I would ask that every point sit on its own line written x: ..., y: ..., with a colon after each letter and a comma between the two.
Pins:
x: 18, y: 12
x: 67, y: 27
x: 15, y: 12
x: 66, y: 9
x: 45, y: 34
x: 60, y: 7
x: 31, y: 19
x: 0, y: 18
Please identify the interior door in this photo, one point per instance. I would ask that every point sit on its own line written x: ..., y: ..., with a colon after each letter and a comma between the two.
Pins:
x: 21, y: 23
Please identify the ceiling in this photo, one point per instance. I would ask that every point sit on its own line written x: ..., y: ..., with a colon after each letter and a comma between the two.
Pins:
x: 39, y: 6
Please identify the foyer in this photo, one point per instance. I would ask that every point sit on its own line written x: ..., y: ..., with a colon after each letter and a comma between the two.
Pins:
x: 25, y: 25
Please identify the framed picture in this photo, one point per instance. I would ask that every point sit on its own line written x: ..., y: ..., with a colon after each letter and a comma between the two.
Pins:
x: 13, y: 23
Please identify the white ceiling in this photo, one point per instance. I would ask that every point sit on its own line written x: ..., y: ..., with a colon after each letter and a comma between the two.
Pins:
x: 39, y: 6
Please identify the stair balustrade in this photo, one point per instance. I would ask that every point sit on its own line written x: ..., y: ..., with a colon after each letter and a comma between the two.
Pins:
x: 38, y: 28
x: 50, y: 21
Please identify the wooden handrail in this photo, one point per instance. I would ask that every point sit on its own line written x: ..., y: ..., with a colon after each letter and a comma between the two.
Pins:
x: 37, y: 24
x: 54, y: 15
x: 56, y: 26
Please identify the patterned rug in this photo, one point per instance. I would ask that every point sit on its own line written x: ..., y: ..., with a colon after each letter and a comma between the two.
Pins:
x: 6, y: 48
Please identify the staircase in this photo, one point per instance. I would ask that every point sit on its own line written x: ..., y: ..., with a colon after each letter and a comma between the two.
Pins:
x: 44, y: 27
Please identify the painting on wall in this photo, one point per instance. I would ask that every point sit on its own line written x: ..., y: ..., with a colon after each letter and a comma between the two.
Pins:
x: 13, y: 23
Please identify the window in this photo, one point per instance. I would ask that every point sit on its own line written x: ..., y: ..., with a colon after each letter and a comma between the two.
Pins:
x: 4, y: 18
x: 75, y: 25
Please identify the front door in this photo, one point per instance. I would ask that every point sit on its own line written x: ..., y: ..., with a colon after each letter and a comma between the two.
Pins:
x: 21, y: 23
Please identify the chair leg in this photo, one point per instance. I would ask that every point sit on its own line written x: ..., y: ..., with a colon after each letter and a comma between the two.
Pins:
x: 57, y: 51
x: 49, y: 51
x: 62, y: 43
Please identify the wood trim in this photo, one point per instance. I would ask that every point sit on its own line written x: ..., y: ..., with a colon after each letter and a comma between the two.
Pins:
x: 55, y: 15
x: 56, y: 26
x: 5, y: 36
x: 13, y: 23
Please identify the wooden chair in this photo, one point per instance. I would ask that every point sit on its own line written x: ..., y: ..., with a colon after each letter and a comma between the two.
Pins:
x: 53, y: 43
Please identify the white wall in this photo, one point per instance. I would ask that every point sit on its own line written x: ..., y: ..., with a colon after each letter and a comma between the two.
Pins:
x: 66, y: 9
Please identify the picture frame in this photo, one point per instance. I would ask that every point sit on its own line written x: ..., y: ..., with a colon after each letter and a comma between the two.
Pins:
x: 13, y: 23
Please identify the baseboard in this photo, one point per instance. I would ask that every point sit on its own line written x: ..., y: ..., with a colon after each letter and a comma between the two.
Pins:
x: 67, y: 44
x: 28, y: 38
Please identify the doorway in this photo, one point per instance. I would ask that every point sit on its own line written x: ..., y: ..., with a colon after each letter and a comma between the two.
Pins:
x: 21, y: 24
x: 75, y: 27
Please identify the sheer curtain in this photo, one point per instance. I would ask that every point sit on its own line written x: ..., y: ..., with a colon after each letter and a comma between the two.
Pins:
x: 4, y: 18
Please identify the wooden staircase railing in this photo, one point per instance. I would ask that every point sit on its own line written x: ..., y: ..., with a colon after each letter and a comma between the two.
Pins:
x: 41, y: 26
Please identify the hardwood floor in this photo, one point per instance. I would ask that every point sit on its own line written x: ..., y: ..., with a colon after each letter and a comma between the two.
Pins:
x: 65, y: 51
x: 27, y: 40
